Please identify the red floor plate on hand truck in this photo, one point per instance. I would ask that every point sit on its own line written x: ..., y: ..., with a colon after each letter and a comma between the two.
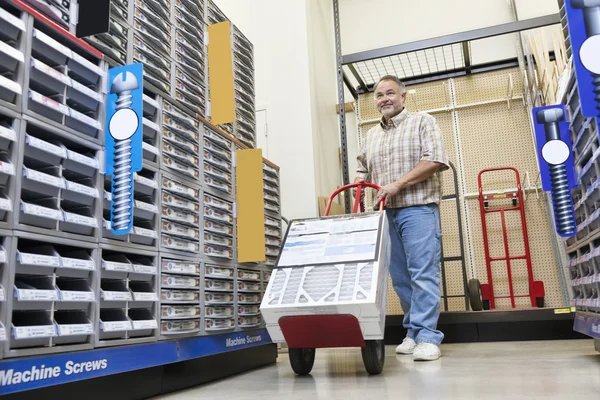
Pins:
x: 329, y: 286
x: 536, y: 288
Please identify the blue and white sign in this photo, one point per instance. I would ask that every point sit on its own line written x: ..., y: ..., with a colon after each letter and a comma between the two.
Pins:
x: 38, y: 372
x: 123, y: 141
x: 583, y: 17
x: 557, y: 166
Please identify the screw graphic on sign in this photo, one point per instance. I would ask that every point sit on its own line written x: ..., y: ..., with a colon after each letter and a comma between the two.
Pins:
x: 556, y: 152
x: 122, y: 126
x: 589, y: 52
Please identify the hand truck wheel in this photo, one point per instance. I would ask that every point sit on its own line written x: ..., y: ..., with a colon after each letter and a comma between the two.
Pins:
x: 475, y: 297
x: 373, y: 355
x: 539, y: 302
x: 302, y: 360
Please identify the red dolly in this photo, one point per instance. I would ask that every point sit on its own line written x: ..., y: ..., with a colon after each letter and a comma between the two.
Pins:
x: 337, y: 328
x: 536, y: 288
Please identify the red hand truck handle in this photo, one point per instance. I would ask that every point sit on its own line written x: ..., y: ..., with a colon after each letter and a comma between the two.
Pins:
x: 357, y: 201
x: 483, y: 171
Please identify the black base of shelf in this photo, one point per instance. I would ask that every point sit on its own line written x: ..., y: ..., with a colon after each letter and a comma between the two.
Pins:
x: 150, y: 382
x: 495, y: 326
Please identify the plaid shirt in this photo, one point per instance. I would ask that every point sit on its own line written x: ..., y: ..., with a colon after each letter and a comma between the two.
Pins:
x: 389, y: 152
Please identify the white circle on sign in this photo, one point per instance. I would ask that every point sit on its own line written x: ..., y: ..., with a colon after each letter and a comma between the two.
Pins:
x: 555, y: 152
x: 589, y: 53
x: 123, y: 124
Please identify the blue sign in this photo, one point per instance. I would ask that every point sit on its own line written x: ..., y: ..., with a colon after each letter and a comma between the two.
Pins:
x: 123, y: 141
x: 583, y: 17
x: 557, y: 165
x: 33, y: 373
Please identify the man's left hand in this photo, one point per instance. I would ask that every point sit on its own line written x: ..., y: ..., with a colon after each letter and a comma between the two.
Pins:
x: 387, y: 192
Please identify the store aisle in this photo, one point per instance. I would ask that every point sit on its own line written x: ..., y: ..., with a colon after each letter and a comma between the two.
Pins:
x: 514, y: 370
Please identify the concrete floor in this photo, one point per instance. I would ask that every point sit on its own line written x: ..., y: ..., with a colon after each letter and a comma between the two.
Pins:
x: 514, y: 370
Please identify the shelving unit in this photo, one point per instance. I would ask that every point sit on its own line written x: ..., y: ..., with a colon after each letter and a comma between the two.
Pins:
x: 583, y: 268
x: 67, y: 283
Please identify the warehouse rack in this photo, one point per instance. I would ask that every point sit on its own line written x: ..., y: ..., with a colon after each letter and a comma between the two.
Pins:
x: 583, y: 267
x: 67, y: 283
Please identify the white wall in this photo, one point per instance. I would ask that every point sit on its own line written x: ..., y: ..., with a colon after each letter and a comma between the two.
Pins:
x: 278, y: 31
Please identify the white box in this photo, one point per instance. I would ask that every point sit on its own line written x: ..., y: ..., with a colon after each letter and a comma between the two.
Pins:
x: 332, y: 265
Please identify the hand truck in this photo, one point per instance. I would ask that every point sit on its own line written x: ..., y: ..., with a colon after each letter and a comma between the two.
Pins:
x: 472, y: 293
x: 536, y: 288
x: 305, y: 332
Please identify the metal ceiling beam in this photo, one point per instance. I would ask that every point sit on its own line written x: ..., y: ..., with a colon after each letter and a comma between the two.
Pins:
x: 454, y: 73
x: 475, y: 34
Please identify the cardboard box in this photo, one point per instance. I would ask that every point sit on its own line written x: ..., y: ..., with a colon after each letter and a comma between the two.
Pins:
x: 332, y: 265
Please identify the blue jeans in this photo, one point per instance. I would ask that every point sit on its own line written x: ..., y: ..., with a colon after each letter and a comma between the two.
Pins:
x: 415, y: 235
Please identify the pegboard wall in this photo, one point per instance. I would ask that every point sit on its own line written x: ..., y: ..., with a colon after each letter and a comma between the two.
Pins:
x: 484, y: 123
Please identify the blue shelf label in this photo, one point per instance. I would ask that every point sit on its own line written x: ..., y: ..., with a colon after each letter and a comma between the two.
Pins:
x: 584, y: 32
x: 557, y: 165
x: 33, y: 373
x: 123, y: 141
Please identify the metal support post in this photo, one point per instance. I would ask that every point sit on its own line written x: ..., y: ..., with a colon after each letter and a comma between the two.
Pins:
x: 340, y: 83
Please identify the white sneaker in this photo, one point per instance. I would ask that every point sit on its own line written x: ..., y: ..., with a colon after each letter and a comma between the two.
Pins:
x: 407, y: 347
x: 426, y: 352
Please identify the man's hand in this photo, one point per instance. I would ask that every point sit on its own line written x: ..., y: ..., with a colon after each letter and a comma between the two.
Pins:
x: 387, y: 192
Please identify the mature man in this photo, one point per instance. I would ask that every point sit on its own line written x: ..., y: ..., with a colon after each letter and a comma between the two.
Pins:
x: 404, y: 155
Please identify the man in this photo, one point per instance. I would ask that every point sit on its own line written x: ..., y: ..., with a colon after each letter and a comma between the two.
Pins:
x: 404, y: 155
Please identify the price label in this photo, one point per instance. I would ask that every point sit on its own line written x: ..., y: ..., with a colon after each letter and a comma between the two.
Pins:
x: 81, y: 159
x: 2, y: 333
x: 42, y: 37
x: 146, y: 206
x: 142, y: 296
x: 144, y: 269
x: 94, y: 68
x: 116, y: 266
x: 150, y: 148
x: 116, y: 296
x: 2, y: 295
x: 179, y: 296
x: 145, y: 232
x: 67, y: 295
x: 146, y: 181
x: 2, y: 255
x: 151, y: 125
x: 43, y: 212
x: 32, y: 332
x: 85, y: 119
x: 8, y: 133
x: 87, y: 91
x: 73, y: 330
x: 7, y: 168
x: 51, y: 72
x: 44, y: 178
x: 36, y: 295
x: 81, y: 220
x: 115, y: 326
x: 10, y: 85
x: 5, y: 204
x: 138, y: 325
x: 82, y: 189
x: 182, y: 268
x: 38, y: 260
